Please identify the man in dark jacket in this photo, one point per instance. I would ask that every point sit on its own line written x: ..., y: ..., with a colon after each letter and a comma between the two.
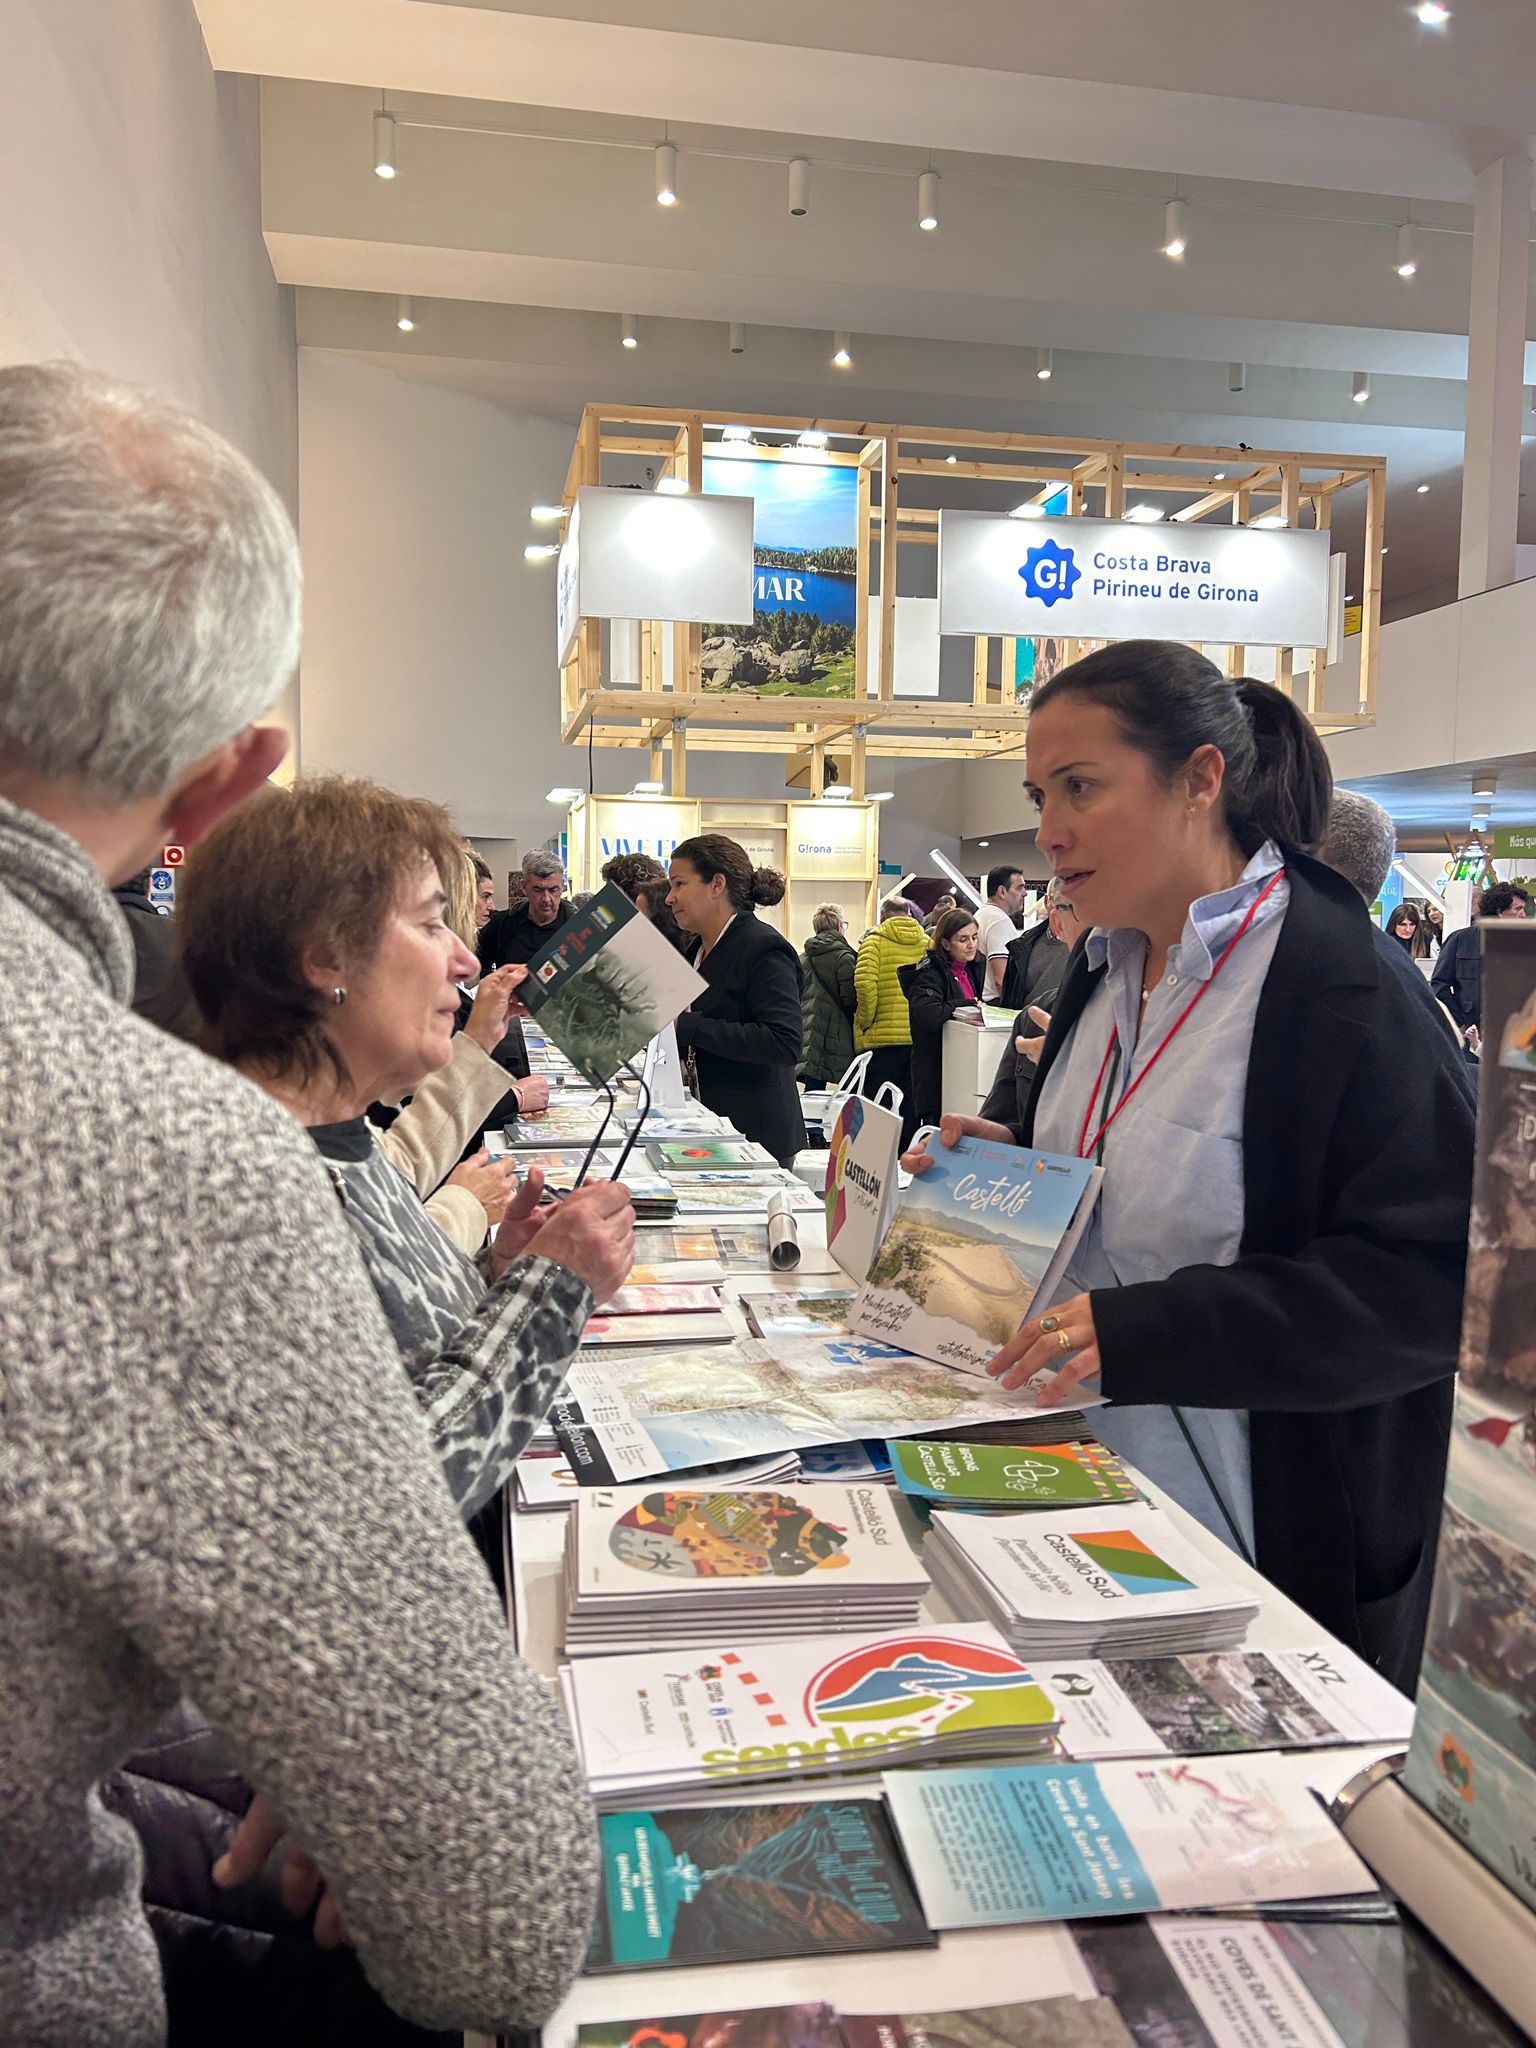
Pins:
x: 512, y: 937
x: 1458, y: 976
x: 160, y: 990
x: 1037, y: 959
x: 828, y: 998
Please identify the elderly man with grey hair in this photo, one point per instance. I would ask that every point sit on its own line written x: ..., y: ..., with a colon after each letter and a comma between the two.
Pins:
x: 215, y: 1482
x: 512, y: 937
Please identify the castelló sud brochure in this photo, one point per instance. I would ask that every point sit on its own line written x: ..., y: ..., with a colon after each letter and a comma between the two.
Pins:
x: 1010, y: 1475
x: 976, y: 1241
x: 1057, y: 1841
x: 664, y: 1726
x: 725, y: 1884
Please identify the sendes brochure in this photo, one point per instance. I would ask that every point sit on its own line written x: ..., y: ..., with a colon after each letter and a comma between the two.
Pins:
x: 627, y: 1416
x: 1009, y: 1475
x: 606, y: 984
x: 1025, y: 1842
x: 980, y: 1237
x: 726, y: 1884
x: 1222, y: 1702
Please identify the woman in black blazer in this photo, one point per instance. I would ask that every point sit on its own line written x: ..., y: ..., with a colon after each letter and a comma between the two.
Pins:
x: 744, y: 1034
x: 935, y: 987
x: 1315, y: 1303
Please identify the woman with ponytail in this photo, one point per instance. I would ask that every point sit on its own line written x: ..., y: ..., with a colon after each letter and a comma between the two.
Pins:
x: 745, y: 1033
x: 1269, y: 1290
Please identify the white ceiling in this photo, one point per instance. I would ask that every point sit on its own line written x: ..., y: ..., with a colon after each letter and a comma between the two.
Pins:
x: 523, y: 221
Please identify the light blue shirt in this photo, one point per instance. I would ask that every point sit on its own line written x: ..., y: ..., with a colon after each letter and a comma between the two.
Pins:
x: 1172, y: 1194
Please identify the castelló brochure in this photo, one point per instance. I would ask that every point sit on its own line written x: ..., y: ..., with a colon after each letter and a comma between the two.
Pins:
x: 606, y: 983
x: 978, y: 1239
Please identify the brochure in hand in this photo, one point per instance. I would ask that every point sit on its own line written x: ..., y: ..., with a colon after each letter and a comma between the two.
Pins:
x: 629, y: 1415
x: 663, y: 1726
x: 980, y: 1237
x: 652, y: 1568
x: 606, y: 983
x: 1117, y: 1582
x: 728, y: 1884
x: 1059, y: 1841
x: 1011, y: 1475
x: 1224, y: 1702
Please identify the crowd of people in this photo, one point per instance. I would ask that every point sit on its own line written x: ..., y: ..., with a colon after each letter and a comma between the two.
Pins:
x: 274, y: 1328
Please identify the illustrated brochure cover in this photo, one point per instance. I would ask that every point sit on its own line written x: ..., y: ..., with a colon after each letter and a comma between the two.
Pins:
x: 606, y: 984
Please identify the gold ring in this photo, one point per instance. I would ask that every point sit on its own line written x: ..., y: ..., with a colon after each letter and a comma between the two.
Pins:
x: 1063, y: 1340
x: 1049, y: 1323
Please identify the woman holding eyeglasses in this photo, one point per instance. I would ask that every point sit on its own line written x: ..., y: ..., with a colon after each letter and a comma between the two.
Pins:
x: 1269, y: 1290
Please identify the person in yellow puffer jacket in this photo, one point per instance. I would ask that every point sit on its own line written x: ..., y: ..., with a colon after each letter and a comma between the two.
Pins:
x: 881, y: 1022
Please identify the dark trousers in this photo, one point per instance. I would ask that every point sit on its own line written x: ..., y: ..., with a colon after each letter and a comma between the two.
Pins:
x: 893, y: 1063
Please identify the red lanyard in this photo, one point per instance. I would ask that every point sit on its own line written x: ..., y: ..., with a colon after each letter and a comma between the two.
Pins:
x: 1089, y: 1149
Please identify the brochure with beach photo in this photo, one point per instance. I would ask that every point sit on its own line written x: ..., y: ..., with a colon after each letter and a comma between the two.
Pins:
x: 976, y: 1241
x: 606, y: 983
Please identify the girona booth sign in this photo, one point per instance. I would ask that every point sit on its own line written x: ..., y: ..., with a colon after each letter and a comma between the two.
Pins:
x: 1115, y: 579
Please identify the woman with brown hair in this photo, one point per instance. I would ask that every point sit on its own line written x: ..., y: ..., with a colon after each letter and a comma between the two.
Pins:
x: 940, y: 983
x: 314, y: 938
x: 745, y: 1032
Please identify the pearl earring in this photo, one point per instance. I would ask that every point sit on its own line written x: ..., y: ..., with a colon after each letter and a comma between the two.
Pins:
x: 338, y: 996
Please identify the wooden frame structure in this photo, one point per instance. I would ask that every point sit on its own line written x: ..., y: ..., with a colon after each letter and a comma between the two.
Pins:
x: 671, y: 711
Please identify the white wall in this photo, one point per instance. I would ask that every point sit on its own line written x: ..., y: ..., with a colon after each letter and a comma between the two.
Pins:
x: 130, y: 216
x: 429, y: 644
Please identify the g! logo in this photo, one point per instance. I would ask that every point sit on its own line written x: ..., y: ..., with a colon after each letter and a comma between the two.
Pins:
x: 1050, y: 573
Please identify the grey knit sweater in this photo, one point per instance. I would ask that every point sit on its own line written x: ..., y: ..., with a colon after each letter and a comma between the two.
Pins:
x: 215, y: 1481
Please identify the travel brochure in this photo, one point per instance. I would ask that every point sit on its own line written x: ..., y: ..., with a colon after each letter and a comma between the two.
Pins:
x: 659, y: 1725
x: 1473, y: 1758
x: 723, y: 1884
x: 975, y: 1242
x: 629, y: 1416
x: 1023, y: 1842
x: 1222, y: 1702
x: 1010, y: 1475
x: 606, y: 983
x: 545, y: 1480
x: 695, y: 1155
x: 740, y: 1248
x: 1119, y: 1581
x: 813, y: 1308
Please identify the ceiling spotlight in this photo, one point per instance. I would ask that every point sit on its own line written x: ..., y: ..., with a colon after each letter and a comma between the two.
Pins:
x: 383, y: 144
x: 405, y: 314
x: 1237, y: 376
x: 666, y: 174
x: 928, y: 201
x: 983, y: 842
x: 1032, y: 509
x: 629, y: 335
x: 1421, y: 490
x: 540, y: 551
x: 1407, y: 251
x: 953, y: 459
x: 672, y: 486
x: 1386, y: 551
x: 836, y: 793
x: 811, y: 437
x: 881, y: 796
x: 735, y: 433
x: 648, y: 789
x: 1483, y: 786
x: 562, y: 796
x: 1432, y: 13
x: 1360, y: 386
x: 738, y: 339
x: 1175, y: 229
x: 1045, y: 363
x: 799, y: 187
x: 546, y: 515
x: 1271, y: 519
x: 1145, y: 515
x: 842, y: 354
x: 1220, y: 477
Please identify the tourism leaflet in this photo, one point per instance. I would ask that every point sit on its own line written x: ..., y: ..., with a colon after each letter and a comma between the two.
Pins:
x: 1225, y: 1701
x: 638, y: 1299
x: 785, y: 2026
x: 727, y: 1884
x: 606, y: 983
x: 545, y: 1480
x: 728, y: 1194
x: 630, y: 1415
x: 1059, y: 1841
x: 1010, y: 1475
x: 860, y: 1189
x: 672, y: 1273
x: 813, y: 1308
x: 712, y: 1326
x: 696, y: 1155
x: 1042, y: 2023
x: 976, y: 1241
x: 740, y: 1248
x: 651, y: 1726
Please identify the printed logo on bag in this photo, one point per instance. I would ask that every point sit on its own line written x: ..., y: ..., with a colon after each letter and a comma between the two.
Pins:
x: 1050, y: 573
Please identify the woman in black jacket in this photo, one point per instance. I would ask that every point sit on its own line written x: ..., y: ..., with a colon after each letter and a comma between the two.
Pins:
x: 1270, y: 1286
x: 935, y: 987
x: 744, y: 1034
x: 827, y: 1006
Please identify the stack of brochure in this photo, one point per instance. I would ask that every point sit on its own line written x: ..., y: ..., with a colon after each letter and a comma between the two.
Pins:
x: 1116, y: 1582
x: 545, y: 1481
x: 1014, y: 1475
x: 704, y: 1154
x: 823, y: 1707
x: 651, y: 1568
